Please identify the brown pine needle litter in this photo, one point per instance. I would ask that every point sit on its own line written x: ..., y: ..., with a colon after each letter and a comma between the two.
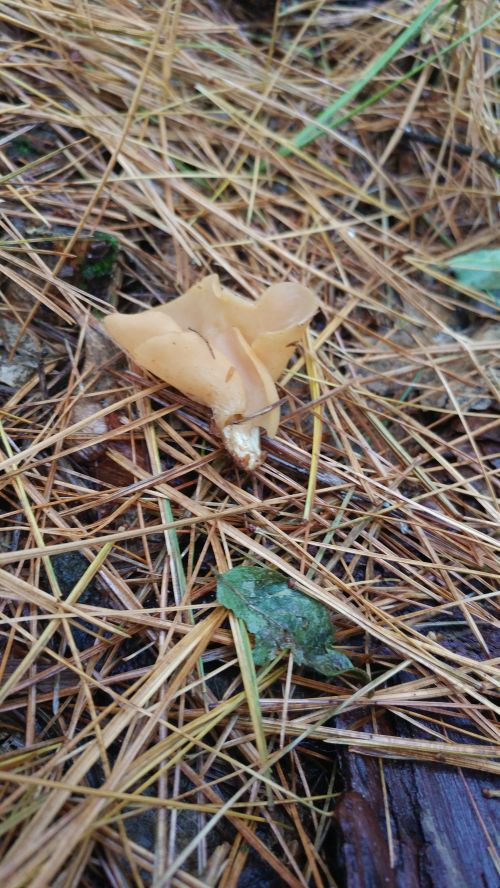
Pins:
x: 144, y: 145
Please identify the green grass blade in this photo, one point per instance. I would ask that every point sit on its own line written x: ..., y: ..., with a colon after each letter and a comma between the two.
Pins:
x: 311, y: 131
x: 393, y: 84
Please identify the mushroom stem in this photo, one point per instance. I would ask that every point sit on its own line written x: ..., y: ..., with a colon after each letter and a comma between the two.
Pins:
x: 242, y: 441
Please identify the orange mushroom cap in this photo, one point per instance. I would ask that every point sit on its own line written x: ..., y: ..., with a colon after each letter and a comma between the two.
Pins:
x: 222, y: 350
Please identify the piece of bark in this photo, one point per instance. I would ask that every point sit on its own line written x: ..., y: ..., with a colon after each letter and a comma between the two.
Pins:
x: 363, y: 853
x: 443, y: 825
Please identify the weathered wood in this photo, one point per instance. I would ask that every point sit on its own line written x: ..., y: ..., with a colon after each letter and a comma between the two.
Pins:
x: 443, y: 825
x: 364, y: 859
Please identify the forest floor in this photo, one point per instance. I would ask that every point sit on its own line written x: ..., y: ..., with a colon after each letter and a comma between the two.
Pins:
x: 350, y: 147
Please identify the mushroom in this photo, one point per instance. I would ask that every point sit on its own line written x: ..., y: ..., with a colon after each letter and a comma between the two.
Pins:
x: 224, y: 351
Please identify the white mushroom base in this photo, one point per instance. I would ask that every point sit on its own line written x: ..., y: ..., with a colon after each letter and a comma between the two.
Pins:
x: 243, y: 443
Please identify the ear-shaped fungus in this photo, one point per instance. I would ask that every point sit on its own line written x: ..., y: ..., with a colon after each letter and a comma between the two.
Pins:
x: 223, y: 351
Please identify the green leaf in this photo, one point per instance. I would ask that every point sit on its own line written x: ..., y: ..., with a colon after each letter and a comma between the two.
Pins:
x: 479, y: 269
x: 281, y: 618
